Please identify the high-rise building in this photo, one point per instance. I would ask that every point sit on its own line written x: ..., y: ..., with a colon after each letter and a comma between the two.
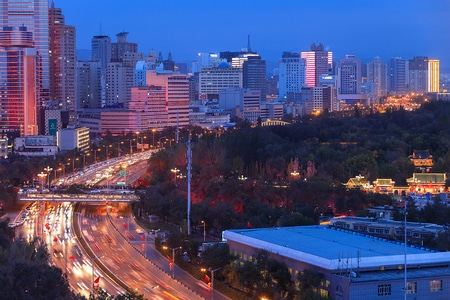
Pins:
x: 349, y: 78
x: 398, y: 75
x: 119, y: 81
x: 121, y: 47
x: 377, y: 73
x: 177, y: 95
x: 101, y: 50
x: 423, y: 75
x: 433, y: 85
x: 254, y: 75
x: 318, y: 62
x: 212, y: 80
x: 88, y: 84
x: 291, y: 76
x: 19, y: 77
x: 62, y: 47
x: 32, y: 14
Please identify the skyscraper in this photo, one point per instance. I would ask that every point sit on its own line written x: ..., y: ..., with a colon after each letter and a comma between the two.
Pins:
x: 121, y: 47
x: 423, y: 74
x: 101, y: 50
x: 32, y: 14
x: 349, y: 78
x: 398, y: 75
x: 19, y: 79
x: 62, y: 61
x: 88, y: 84
x: 318, y: 62
x: 291, y: 74
x: 377, y: 73
x: 254, y: 75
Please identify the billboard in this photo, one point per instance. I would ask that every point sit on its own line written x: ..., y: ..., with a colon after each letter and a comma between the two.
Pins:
x: 52, y: 127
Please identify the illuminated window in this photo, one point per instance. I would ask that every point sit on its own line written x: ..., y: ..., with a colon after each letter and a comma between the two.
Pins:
x: 411, y: 287
x: 435, y: 285
x: 384, y: 290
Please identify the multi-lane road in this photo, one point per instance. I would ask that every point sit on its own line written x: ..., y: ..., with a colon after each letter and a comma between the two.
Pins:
x: 118, y: 256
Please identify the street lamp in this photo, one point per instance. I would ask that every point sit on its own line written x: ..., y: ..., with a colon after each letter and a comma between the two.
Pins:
x: 48, y: 170
x: 204, y: 230
x: 172, y: 263
x: 41, y: 176
x: 175, y: 171
x: 212, y: 282
x: 153, y: 131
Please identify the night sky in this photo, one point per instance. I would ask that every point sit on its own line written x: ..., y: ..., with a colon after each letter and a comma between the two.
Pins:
x: 383, y: 28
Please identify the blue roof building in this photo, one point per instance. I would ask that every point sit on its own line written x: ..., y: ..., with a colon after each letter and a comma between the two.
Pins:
x: 354, y: 265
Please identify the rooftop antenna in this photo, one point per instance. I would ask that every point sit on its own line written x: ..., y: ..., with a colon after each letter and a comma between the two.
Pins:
x: 101, y: 28
x: 249, y: 48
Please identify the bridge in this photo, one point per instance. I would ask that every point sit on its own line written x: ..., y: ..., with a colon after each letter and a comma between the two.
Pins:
x: 94, y: 198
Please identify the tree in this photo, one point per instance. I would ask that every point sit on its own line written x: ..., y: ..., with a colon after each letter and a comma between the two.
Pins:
x: 217, y: 256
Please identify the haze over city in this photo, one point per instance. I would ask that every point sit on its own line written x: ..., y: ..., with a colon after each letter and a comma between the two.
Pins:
x: 184, y: 28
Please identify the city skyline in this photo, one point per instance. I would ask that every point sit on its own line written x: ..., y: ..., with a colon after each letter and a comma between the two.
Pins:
x: 382, y: 28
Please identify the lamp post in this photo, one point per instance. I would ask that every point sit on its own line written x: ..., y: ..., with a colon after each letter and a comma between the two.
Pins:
x: 175, y: 171
x: 48, y: 170
x: 41, y: 176
x: 153, y: 131
x: 159, y: 142
x: 137, y: 141
x: 204, y: 230
x: 212, y: 282
x: 172, y: 263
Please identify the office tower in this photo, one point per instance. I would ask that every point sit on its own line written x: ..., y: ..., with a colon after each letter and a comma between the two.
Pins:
x: 243, y: 103
x: 62, y: 61
x: 254, y: 75
x: 88, y: 84
x: 418, y: 71
x: 119, y: 81
x: 377, y: 73
x: 318, y: 62
x: 423, y: 75
x: 433, y: 85
x: 349, y: 78
x: 150, y: 103
x: 20, y: 77
x: 32, y: 14
x: 177, y: 95
x: 121, y: 47
x: 291, y: 76
x: 398, y: 76
x: 101, y: 50
x: 212, y: 80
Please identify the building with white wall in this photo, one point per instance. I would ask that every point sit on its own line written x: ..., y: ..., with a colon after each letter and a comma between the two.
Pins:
x: 354, y: 266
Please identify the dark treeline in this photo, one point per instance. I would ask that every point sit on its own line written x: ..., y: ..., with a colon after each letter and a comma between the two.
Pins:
x: 243, y: 177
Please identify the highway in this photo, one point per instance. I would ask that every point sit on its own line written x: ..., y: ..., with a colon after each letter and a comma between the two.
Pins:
x: 127, y: 254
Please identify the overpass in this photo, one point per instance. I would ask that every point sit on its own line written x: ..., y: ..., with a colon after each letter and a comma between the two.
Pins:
x: 93, y: 198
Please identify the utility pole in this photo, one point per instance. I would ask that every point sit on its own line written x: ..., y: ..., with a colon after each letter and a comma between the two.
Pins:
x: 189, y: 162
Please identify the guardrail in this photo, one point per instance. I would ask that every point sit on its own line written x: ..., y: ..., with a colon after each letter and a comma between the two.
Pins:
x: 80, y: 197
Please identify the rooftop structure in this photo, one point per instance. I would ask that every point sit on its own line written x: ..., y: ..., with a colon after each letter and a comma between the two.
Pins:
x: 354, y: 265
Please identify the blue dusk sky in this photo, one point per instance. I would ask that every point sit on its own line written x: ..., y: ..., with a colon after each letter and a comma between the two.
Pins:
x: 383, y: 28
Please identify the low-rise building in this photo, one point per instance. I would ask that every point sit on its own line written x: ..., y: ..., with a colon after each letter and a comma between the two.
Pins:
x: 354, y: 265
